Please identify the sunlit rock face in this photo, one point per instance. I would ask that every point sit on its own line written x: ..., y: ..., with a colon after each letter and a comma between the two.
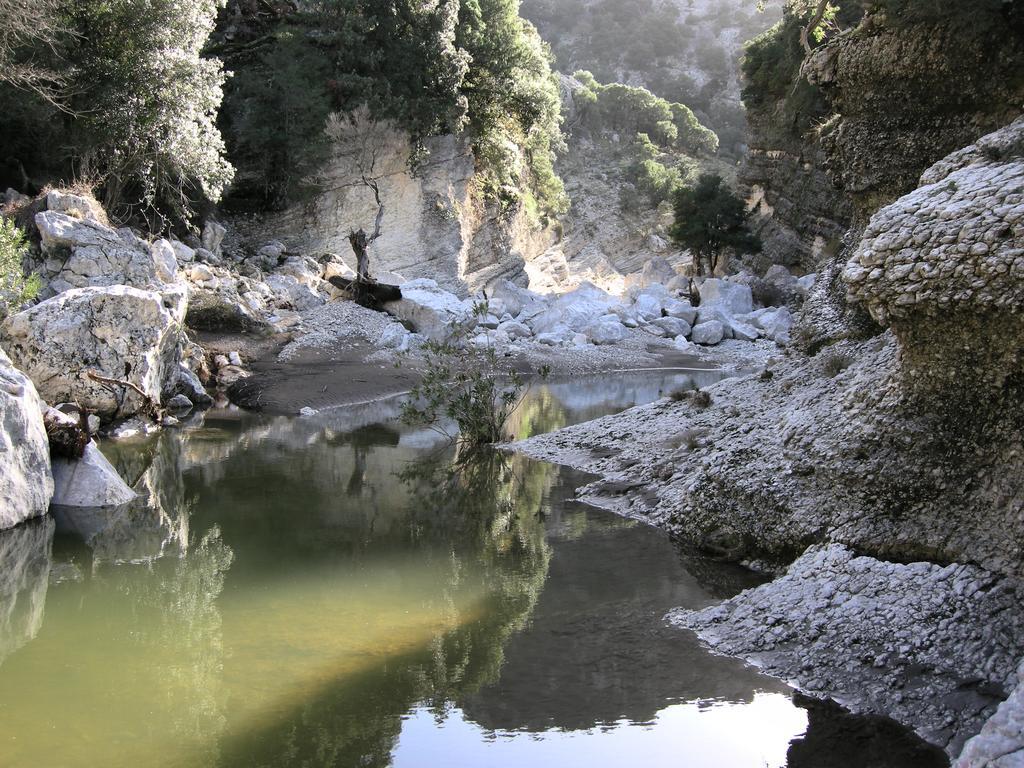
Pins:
x: 24, y: 576
x: 26, y: 482
x: 118, y: 332
x: 434, y: 223
x: 79, y: 253
x: 944, y: 266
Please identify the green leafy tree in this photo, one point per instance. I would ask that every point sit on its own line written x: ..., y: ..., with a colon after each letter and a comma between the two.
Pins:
x: 147, y: 103
x: 709, y: 219
x: 275, y: 113
x: 15, y: 287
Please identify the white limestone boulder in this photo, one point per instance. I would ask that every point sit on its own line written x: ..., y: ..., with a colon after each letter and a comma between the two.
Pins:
x: 607, y: 330
x: 81, y: 253
x: 119, y: 332
x: 514, y: 298
x: 772, y: 321
x: 26, y: 482
x: 681, y: 309
x: 672, y: 326
x: 431, y: 310
x: 708, y: 334
x: 90, y: 481
x: 289, y: 291
x: 515, y: 330
x: 731, y: 298
x: 575, y: 310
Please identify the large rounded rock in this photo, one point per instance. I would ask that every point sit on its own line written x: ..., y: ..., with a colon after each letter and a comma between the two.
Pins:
x: 944, y: 267
x: 118, y: 332
x: 80, y: 253
x: 26, y: 483
x: 429, y: 309
x: 89, y: 482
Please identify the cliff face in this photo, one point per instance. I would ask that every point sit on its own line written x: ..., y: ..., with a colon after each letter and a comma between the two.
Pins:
x: 909, y: 93
x: 435, y: 222
x: 867, y: 114
x: 800, y: 215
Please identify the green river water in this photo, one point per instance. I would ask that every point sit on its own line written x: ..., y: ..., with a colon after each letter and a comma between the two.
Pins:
x: 315, y: 592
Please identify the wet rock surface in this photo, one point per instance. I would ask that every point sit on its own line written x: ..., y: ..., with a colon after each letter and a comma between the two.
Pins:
x: 934, y: 646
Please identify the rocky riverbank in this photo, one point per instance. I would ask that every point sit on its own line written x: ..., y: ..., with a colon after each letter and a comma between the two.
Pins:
x: 902, y: 448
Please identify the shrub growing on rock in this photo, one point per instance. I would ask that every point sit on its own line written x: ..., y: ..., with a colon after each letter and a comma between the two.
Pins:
x: 15, y: 287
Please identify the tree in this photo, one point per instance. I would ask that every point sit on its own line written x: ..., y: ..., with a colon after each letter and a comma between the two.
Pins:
x: 29, y: 32
x: 709, y: 219
x: 148, y: 104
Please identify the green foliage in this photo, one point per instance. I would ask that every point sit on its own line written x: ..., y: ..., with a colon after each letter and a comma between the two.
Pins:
x: 147, y: 102
x: 133, y: 111
x: 513, y: 100
x: 631, y: 110
x: 772, y: 83
x: 709, y: 219
x: 450, y: 66
x: 275, y: 111
x: 466, y: 384
x: 15, y: 288
x: 658, y: 174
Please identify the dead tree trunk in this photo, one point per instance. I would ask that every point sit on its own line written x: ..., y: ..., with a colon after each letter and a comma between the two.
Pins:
x: 361, y: 242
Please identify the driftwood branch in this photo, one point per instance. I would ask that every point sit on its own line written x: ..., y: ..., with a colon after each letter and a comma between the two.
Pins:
x: 372, y: 184
x: 369, y: 294
x: 360, y: 241
x: 151, y: 404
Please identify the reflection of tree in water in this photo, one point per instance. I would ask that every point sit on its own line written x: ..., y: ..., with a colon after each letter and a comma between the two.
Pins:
x: 176, y: 627
x: 485, y: 514
x: 539, y: 412
x: 623, y: 661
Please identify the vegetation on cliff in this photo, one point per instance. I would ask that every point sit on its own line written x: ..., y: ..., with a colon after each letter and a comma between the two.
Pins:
x: 447, y: 67
x: 129, y: 105
x: 136, y: 111
x: 679, y: 51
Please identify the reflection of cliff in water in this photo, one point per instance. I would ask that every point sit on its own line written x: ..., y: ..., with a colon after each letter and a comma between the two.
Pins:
x: 24, y: 575
x: 597, y: 650
x: 837, y: 739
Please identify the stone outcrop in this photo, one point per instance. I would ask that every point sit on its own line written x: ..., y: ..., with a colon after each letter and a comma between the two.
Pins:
x: 118, y: 332
x: 1001, y: 741
x: 429, y: 309
x: 798, y: 213
x: 80, y: 253
x: 935, y: 647
x: 26, y: 482
x: 904, y: 446
x: 434, y: 226
x: 944, y: 266
x: 90, y: 481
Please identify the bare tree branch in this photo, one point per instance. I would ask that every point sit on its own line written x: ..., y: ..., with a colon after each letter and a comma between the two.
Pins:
x: 816, y: 19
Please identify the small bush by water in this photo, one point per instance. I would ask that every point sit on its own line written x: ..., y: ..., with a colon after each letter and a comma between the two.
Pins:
x: 469, y: 384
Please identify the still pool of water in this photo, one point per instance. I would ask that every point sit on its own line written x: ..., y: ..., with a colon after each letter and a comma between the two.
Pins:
x: 318, y: 592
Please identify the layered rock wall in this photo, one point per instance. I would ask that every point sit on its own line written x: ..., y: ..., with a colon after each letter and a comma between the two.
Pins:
x: 435, y: 223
